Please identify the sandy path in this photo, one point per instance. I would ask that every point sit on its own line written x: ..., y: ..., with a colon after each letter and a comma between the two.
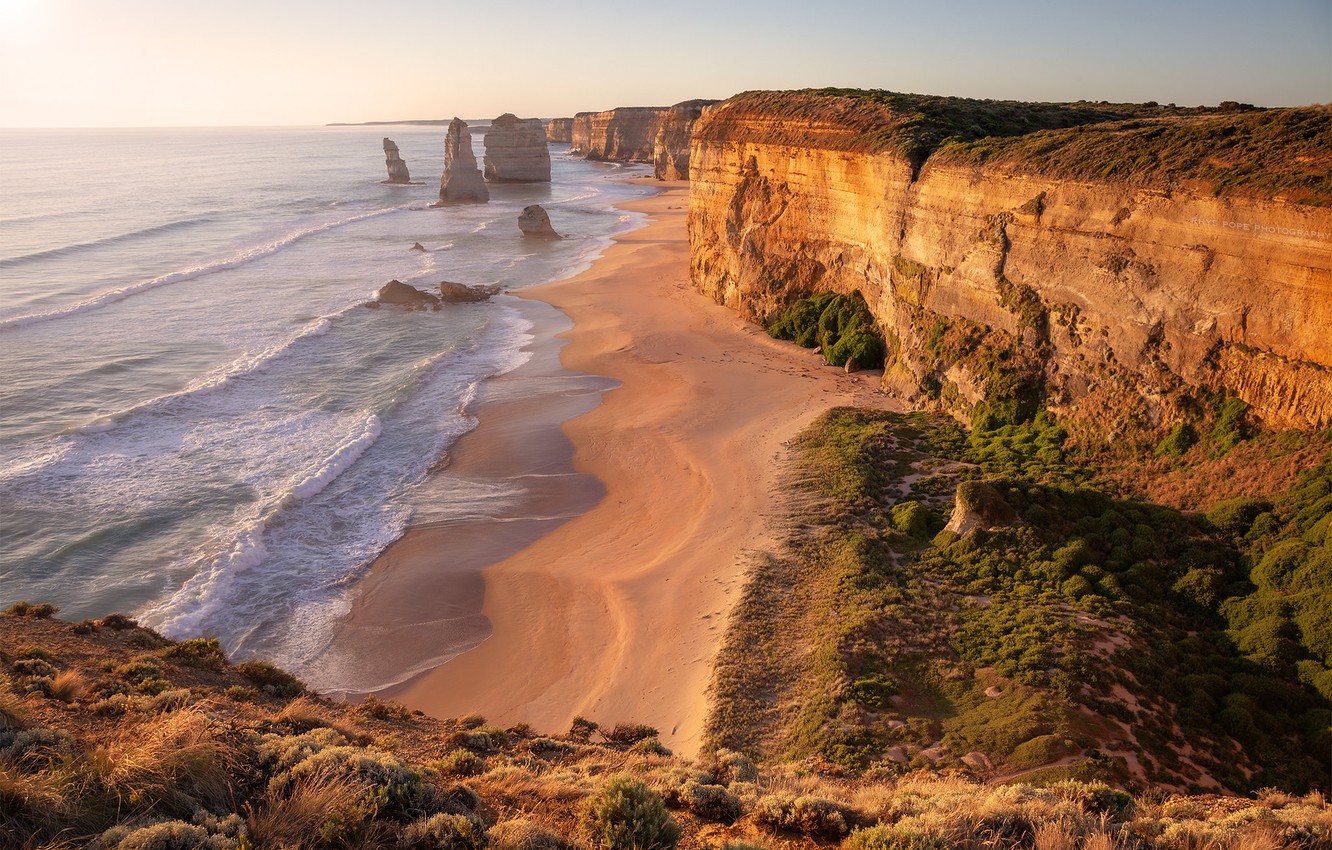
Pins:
x: 618, y: 613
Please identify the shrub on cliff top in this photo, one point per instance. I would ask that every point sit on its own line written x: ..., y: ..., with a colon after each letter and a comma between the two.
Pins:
x: 627, y: 815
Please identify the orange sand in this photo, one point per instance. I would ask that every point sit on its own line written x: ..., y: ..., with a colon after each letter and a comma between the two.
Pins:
x: 618, y: 613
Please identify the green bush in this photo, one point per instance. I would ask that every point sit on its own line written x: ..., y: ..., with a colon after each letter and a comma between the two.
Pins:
x: 627, y: 815
x: 444, y: 832
x: 271, y: 679
x: 1236, y: 516
x: 1180, y: 439
x: 912, y: 518
x: 841, y: 324
x: 894, y: 837
x: 199, y: 652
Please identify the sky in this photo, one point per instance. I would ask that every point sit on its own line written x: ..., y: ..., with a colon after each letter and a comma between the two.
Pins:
x: 154, y: 63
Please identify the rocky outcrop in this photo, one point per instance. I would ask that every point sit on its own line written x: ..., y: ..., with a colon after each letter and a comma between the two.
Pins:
x: 397, y: 168
x: 1120, y: 297
x: 978, y: 505
x: 416, y: 246
x: 516, y: 150
x: 400, y: 294
x: 559, y: 130
x: 535, y: 223
x: 462, y: 182
x: 670, y: 149
x: 461, y: 293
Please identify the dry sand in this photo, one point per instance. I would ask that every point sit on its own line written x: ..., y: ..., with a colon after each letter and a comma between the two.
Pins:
x: 617, y: 613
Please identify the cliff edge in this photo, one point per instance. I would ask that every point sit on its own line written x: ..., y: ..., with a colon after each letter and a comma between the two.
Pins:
x: 1119, y: 263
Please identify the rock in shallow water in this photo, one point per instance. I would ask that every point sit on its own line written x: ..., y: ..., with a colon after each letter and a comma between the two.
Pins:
x: 400, y: 294
x: 535, y: 222
x: 397, y: 167
x: 461, y: 293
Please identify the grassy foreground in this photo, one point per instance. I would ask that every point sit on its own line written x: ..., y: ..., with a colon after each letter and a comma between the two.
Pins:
x: 112, y: 737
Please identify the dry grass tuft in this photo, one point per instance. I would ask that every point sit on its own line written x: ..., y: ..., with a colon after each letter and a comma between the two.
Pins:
x: 174, y: 760
x: 68, y: 686
x: 295, y: 817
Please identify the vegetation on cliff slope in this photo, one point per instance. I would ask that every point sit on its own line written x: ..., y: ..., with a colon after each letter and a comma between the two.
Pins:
x: 1285, y: 152
x: 147, y: 744
x: 1067, y: 631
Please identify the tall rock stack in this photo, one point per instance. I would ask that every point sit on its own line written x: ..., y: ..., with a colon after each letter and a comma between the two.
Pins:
x: 516, y: 150
x: 462, y: 182
x: 397, y: 169
x: 559, y: 131
x: 670, y: 151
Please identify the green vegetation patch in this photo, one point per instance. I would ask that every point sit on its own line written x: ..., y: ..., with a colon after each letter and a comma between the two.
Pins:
x: 840, y: 325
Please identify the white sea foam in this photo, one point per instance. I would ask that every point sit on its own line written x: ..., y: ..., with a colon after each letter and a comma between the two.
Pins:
x: 236, y: 260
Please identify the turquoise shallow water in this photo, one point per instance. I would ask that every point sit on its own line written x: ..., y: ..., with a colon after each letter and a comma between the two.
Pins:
x: 199, y: 423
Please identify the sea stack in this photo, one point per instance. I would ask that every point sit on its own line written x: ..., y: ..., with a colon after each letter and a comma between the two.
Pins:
x: 516, y: 150
x: 462, y: 182
x: 397, y: 168
x: 533, y: 221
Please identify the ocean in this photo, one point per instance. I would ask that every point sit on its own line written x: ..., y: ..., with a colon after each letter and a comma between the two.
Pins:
x: 200, y: 424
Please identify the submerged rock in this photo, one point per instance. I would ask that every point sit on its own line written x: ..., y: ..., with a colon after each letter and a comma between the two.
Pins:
x: 462, y: 182
x: 400, y: 294
x: 397, y: 168
x: 461, y: 293
x: 533, y: 221
x: 516, y: 150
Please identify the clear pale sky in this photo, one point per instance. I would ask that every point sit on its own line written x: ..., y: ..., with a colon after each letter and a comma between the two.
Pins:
x: 91, y: 63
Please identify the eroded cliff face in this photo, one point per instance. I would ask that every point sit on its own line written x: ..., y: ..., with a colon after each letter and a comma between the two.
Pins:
x: 1126, y: 299
x: 659, y: 135
x: 670, y: 149
x: 626, y: 134
x: 559, y: 130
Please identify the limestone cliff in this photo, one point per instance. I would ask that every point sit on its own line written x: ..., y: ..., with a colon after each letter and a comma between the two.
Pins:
x: 670, y: 149
x: 516, y: 150
x: 461, y: 182
x: 653, y: 134
x: 397, y: 168
x: 559, y: 130
x: 1119, y: 274
x: 626, y: 134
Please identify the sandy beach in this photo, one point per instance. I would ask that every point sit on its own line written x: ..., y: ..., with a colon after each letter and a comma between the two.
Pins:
x: 617, y: 612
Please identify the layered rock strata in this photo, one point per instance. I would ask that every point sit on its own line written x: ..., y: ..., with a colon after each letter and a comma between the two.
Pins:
x: 516, y: 150
x: 559, y: 130
x: 1127, y: 296
x: 397, y: 168
x: 670, y: 149
x: 658, y: 135
x: 462, y: 182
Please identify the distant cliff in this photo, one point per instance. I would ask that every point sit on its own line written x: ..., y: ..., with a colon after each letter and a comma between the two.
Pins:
x: 1121, y: 262
x: 559, y: 130
x: 658, y: 135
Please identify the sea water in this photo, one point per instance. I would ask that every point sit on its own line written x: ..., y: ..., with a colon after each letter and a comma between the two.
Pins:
x: 200, y: 422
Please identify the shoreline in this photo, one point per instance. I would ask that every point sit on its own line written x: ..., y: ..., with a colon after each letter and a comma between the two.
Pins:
x: 616, y: 613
